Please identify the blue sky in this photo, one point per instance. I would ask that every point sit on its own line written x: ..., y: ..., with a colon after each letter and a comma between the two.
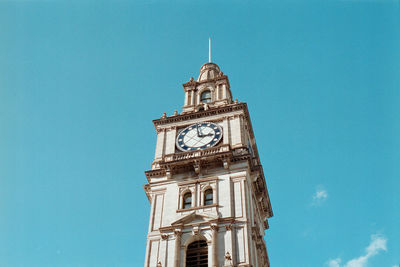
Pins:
x: 81, y: 81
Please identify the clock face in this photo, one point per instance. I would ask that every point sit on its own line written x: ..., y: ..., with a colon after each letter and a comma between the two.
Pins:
x: 199, y: 136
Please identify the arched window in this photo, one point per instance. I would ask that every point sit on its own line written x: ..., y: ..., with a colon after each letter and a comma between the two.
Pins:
x: 206, y: 96
x: 187, y: 200
x: 197, y: 254
x: 208, y: 197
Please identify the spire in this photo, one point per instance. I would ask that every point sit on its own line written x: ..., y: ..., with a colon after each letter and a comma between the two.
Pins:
x: 209, y: 49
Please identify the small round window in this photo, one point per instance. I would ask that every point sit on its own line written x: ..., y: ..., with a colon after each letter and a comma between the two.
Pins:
x: 206, y: 96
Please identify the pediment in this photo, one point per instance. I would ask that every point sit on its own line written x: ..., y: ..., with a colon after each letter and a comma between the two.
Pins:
x: 195, y: 217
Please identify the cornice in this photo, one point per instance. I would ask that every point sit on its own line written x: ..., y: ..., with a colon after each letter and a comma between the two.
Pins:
x: 194, y: 83
x: 201, y: 114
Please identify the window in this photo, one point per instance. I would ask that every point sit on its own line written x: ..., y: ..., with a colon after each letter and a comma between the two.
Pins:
x: 206, y: 96
x: 197, y: 254
x: 208, y: 197
x: 187, y: 200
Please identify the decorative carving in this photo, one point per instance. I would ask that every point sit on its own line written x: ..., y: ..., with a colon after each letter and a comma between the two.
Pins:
x: 170, y: 128
x: 184, y: 188
x: 154, y: 173
x: 159, y: 264
x: 164, y: 115
x: 191, y: 82
x: 229, y: 227
x: 159, y: 130
x: 210, y: 112
x: 195, y: 230
x: 194, y: 154
x: 176, y: 113
x: 168, y: 172
x: 164, y: 236
x: 226, y: 163
x: 214, y: 227
x: 240, y: 151
x: 204, y: 186
x: 237, y: 115
x: 228, y: 260
x: 178, y: 232
x: 196, y: 166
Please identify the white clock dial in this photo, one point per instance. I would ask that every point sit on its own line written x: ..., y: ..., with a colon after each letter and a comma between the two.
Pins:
x: 199, y: 136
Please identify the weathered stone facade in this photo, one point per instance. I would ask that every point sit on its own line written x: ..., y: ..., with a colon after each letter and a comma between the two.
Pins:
x: 234, y: 221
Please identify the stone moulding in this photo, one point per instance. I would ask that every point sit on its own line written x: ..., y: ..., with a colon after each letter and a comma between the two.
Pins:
x: 224, y: 154
x: 193, y: 83
x: 180, y: 157
x: 201, y: 114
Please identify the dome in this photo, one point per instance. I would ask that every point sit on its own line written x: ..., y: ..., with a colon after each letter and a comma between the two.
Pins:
x: 208, y: 71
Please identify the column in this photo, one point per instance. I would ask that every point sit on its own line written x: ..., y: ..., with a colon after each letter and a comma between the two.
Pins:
x: 192, y: 97
x: 214, y: 258
x: 224, y: 91
x: 186, y: 98
x: 230, y: 241
x: 163, y: 254
x: 177, y: 256
x: 170, y: 140
x: 160, y: 143
x: 225, y: 126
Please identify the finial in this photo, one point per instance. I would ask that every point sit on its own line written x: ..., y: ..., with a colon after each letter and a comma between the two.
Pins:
x: 209, y: 50
x: 175, y: 112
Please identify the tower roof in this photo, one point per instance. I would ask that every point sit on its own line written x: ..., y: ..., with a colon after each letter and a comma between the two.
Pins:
x: 208, y: 71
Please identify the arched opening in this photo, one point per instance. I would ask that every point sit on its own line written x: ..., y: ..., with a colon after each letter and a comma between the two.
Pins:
x: 197, y: 254
x: 205, y: 96
x: 187, y: 200
x: 208, y: 197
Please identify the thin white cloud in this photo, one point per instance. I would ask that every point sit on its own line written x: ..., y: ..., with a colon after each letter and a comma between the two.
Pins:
x: 377, y: 244
x: 319, y: 196
x: 334, y: 263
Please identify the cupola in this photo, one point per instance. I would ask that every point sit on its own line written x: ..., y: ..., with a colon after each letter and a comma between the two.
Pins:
x: 211, y: 89
x: 208, y: 72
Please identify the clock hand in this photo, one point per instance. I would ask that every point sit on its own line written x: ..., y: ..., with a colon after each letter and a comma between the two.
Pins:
x: 199, y: 132
x: 207, y: 134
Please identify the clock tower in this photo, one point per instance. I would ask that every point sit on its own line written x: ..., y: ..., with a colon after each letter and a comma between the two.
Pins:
x: 209, y: 200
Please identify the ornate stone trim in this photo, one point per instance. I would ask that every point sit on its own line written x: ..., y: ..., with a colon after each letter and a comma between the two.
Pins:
x: 198, y: 208
x: 164, y: 236
x: 201, y: 114
x: 229, y: 227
